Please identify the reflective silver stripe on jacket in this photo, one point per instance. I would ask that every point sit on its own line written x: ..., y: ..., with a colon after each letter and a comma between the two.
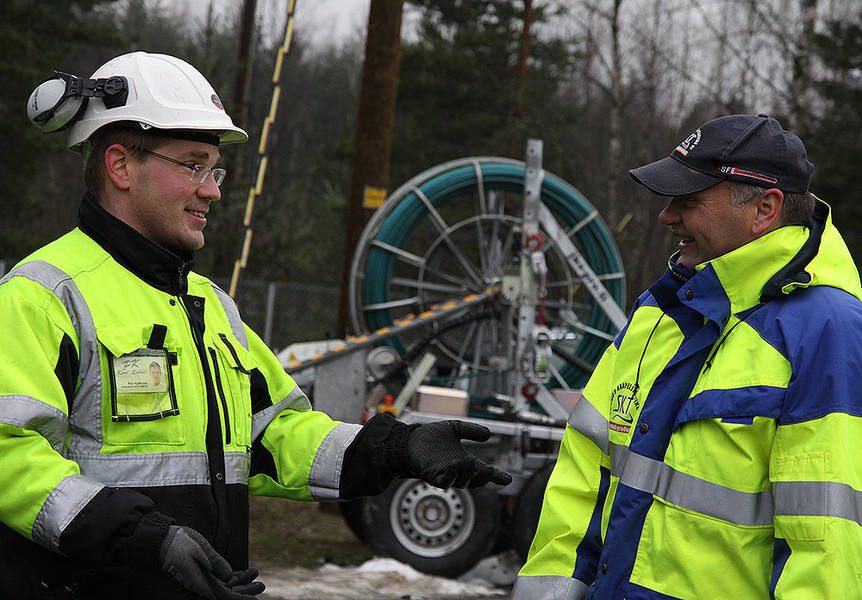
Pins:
x: 115, y: 470
x: 655, y: 477
x: 817, y: 498
x: 296, y: 400
x: 29, y: 413
x: 160, y: 469
x: 232, y: 313
x: 86, y: 417
x: 548, y: 587
x: 237, y: 466
x: 325, y: 475
x: 585, y: 419
x: 689, y: 492
x: 62, y: 505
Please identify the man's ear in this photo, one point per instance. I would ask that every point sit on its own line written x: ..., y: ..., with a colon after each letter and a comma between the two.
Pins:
x: 117, y: 166
x: 767, y: 215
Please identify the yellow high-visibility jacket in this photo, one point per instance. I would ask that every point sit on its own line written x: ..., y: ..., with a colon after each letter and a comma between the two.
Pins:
x: 716, y: 452
x: 133, y: 396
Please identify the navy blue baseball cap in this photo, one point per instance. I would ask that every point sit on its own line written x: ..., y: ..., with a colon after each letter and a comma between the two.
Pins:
x: 752, y: 149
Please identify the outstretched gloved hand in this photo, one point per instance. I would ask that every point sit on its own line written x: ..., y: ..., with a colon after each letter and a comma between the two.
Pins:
x: 433, y: 452
x: 189, y: 557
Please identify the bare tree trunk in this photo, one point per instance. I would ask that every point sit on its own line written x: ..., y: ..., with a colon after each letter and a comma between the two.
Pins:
x: 800, y: 84
x: 721, y: 56
x: 615, y: 125
x: 682, y: 100
x: 516, y: 141
x: 374, y: 128
x: 243, y: 73
x: 239, y: 106
x: 749, y: 52
x: 649, y: 242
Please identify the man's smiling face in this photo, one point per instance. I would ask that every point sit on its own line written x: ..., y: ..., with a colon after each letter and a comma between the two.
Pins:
x: 168, y: 208
x: 708, y: 223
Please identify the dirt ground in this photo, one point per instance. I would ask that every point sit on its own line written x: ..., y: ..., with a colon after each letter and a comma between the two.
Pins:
x: 305, y: 551
x: 301, y: 534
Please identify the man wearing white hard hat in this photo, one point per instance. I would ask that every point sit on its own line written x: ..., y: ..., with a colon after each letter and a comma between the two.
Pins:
x: 115, y: 483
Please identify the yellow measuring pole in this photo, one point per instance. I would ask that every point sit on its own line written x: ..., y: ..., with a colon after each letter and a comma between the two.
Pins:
x: 257, y: 185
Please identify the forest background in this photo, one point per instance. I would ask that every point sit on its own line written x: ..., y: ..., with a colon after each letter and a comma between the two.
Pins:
x: 608, y: 85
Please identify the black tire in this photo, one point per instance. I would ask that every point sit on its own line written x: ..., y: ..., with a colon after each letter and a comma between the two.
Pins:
x: 351, y: 512
x: 436, y: 531
x: 527, y: 509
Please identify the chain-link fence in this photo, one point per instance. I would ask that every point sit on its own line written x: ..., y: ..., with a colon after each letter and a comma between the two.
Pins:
x: 284, y: 312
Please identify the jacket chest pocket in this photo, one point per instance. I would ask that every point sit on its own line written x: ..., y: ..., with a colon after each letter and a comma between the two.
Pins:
x: 231, y: 369
x: 141, y: 405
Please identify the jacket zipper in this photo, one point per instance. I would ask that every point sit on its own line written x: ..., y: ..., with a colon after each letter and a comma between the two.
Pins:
x: 715, y: 348
x: 220, y: 391
x: 208, y: 376
x: 643, y: 354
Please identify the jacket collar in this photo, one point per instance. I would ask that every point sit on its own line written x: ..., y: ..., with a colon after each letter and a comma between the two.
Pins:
x: 163, y: 269
x: 769, y: 267
x: 743, y: 273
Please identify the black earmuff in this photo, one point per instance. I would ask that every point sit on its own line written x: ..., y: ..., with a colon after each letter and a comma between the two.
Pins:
x: 61, y: 98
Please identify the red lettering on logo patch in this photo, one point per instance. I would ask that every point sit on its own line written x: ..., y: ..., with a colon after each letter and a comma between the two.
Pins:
x: 620, y: 428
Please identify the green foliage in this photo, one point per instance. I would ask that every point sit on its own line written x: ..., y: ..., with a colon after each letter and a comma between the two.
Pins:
x: 36, y: 37
x: 300, y: 217
x: 76, y: 37
x: 457, y: 97
x: 834, y: 139
x: 458, y: 82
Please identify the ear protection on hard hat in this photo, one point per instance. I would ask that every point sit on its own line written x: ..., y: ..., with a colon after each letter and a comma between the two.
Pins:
x: 61, y: 98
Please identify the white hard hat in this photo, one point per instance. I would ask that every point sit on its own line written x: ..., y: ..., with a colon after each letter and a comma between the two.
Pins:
x: 164, y: 92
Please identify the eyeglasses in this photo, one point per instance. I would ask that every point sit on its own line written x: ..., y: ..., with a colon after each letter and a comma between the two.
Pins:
x: 198, y: 172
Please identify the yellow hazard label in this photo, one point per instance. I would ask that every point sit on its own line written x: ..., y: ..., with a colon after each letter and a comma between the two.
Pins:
x: 373, y: 197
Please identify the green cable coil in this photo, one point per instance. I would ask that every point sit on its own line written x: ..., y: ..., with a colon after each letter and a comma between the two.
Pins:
x: 405, y: 210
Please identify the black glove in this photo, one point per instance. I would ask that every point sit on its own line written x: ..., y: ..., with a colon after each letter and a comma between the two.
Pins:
x: 243, y: 582
x: 433, y: 453
x: 188, y: 556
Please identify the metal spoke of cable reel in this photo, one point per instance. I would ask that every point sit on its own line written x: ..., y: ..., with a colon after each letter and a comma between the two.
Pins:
x: 466, y: 226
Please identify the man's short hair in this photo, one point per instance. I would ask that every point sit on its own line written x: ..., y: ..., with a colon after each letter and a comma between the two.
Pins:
x: 796, y: 210
x: 133, y: 139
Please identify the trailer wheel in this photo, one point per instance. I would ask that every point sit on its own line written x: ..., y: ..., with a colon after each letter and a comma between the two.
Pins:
x: 436, y: 531
x: 527, y: 509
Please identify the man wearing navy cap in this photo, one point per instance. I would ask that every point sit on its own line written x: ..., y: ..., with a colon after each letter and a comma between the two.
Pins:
x: 714, y: 452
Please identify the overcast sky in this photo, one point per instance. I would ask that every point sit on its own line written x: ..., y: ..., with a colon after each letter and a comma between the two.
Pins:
x: 321, y: 22
x: 326, y: 20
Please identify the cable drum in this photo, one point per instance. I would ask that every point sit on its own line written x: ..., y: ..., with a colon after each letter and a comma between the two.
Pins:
x: 455, y: 230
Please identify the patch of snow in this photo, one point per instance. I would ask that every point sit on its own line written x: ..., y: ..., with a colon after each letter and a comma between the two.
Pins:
x: 389, y: 565
x: 377, y: 579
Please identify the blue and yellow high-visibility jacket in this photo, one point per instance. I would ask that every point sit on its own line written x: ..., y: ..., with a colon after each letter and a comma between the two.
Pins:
x: 716, y: 452
x: 133, y: 396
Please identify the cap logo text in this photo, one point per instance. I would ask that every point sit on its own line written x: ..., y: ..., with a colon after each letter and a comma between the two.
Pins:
x: 727, y: 170
x: 689, y: 143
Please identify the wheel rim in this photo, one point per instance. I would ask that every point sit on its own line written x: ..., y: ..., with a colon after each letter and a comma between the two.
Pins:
x: 431, y: 522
